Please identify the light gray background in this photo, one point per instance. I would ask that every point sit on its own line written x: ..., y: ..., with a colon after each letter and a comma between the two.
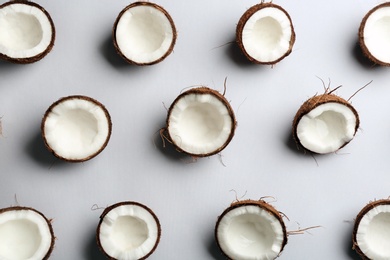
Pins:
x: 261, y: 160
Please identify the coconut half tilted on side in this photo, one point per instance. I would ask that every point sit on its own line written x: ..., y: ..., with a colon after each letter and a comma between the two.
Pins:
x: 251, y: 229
x: 76, y: 128
x: 200, y: 122
x: 128, y: 231
x: 265, y: 33
x: 144, y: 33
x: 25, y: 233
x: 371, y: 233
x: 27, y: 32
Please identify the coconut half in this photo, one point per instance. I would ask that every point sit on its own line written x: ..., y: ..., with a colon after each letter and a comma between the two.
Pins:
x: 374, y: 35
x: 325, y: 123
x: 200, y: 122
x: 128, y: 231
x: 144, y: 33
x: 25, y: 234
x: 265, y: 33
x: 27, y: 32
x: 371, y: 233
x: 76, y: 128
x: 251, y: 230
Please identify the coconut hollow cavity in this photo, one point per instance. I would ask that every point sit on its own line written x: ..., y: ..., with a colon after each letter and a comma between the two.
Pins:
x: 371, y: 233
x: 251, y: 229
x: 374, y: 35
x: 25, y: 233
x: 200, y: 122
x: 27, y: 32
x: 144, y: 33
x: 76, y: 128
x: 325, y: 123
x: 128, y: 231
x: 265, y: 33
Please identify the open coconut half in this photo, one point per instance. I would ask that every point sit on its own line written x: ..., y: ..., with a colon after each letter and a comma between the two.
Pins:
x: 76, y: 128
x: 200, y: 122
x: 371, y: 233
x: 251, y: 230
x: 144, y: 33
x: 128, y: 231
x: 374, y: 36
x: 265, y: 33
x: 325, y: 123
x: 27, y: 32
x: 25, y: 233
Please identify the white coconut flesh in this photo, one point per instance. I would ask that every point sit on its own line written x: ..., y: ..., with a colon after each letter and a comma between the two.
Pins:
x: 76, y: 128
x: 251, y: 233
x: 200, y: 123
x: 128, y: 232
x: 373, y: 233
x: 144, y: 34
x: 266, y: 35
x: 24, y: 234
x: 326, y: 128
x: 25, y: 31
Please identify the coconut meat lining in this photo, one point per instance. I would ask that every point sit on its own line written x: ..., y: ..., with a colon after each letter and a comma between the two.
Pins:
x: 128, y: 232
x: 24, y: 234
x: 326, y: 128
x: 25, y: 31
x: 144, y: 34
x: 266, y: 35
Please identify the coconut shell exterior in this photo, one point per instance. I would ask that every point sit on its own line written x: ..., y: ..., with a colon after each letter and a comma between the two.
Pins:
x: 167, y: 15
x: 240, y: 26
x: 261, y: 204
x: 131, y: 203
x: 49, y: 47
x: 50, y: 109
x: 314, y: 102
x: 202, y: 91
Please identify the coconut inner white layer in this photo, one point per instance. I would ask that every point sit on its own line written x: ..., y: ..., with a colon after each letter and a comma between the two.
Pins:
x: 144, y: 34
x: 24, y: 234
x: 250, y: 233
x: 373, y: 234
x: 76, y: 128
x: 377, y: 34
x: 266, y: 35
x: 326, y: 128
x: 200, y: 123
x: 128, y: 232
x: 25, y: 31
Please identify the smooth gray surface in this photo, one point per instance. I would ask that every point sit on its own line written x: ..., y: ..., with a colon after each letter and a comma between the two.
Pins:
x: 262, y: 159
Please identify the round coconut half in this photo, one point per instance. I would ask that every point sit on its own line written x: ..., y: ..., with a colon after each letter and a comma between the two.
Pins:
x: 27, y: 32
x: 371, y: 233
x: 374, y: 36
x: 76, y: 128
x: 325, y: 123
x: 265, y: 33
x: 251, y: 230
x: 25, y: 234
x: 144, y: 33
x: 128, y: 231
x: 200, y: 122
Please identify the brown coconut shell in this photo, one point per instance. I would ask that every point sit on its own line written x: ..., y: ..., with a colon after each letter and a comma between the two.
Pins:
x: 201, y: 91
x: 261, y: 204
x: 240, y: 26
x: 108, y: 209
x: 314, y: 102
x: 49, y: 47
x: 362, y: 213
x: 50, y: 109
x: 16, y: 208
x: 167, y: 15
